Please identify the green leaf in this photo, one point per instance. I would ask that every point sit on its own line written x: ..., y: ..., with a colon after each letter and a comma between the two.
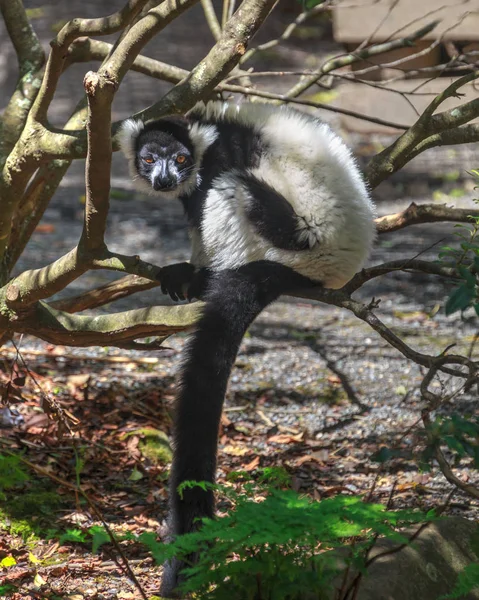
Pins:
x: 467, y: 581
x: 135, y: 475
x: 460, y: 299
x: 100, y: 536
x: 73, y: 535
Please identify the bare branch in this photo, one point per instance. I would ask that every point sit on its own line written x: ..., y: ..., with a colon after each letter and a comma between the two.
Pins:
x: 467, y: 134
x: 86, y: 50
x: 32, y: 206
x: 100, y: 90
x: 288, y: 32
x: 31, y: 59
x: 406, y: 265
x: 140, y: 34
x: 72, y: 30
x: 404, y: 148
x: 126, y: 286
x: 303, y: 102
x: 31, y: 149
x: 348, y: 59
x: 424, y: 213
x: 221, y: 59
x: 57, y: 327
x: 211, y: 18
x: 435, y: 400
x: 31, y: 286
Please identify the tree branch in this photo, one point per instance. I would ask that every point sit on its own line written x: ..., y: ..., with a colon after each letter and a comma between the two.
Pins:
x: 221, y: 59
x: 406, y: 264
x: 211, y: 18
x: 58, y: 327
x: 349, y: 59
x: 424, y: 213
x: 34, y: 285
x: 405, y: 147
x: 31, y: 59
x: 100, y: 89
x: 86, y: 50
x: 126, y: 286
x: 72, y: 30
x: 32, y: 147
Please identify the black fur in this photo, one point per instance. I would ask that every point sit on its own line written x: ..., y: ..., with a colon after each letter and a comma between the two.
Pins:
x: 272, y: 215
x: 233, y: 300
x: 237, y: 147
x: 181, y: 281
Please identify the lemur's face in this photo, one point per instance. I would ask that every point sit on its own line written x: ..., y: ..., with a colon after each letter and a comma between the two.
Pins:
x: 164, y: 162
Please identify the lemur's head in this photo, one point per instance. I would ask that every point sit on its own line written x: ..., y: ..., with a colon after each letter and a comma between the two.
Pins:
x: 161, y: 155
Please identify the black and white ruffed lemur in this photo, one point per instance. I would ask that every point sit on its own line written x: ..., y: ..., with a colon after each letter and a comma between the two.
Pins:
x: 275, y: 203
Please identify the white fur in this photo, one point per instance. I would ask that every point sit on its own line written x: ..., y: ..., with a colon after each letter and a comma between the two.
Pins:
x: 129, y: 132
x: 308, y: 165
x: 313, y: 169
x: 127, y: 136
x: 202, y: 137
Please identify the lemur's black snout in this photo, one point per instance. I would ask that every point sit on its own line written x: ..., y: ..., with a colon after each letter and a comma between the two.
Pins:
x: 164, y: 182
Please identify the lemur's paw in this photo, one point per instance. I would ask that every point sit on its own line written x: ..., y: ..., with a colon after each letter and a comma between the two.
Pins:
x: 199, y: 284
x: 175, y: 280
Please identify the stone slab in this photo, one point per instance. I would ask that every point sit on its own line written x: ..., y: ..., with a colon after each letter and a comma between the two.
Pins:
x: 356, y: 21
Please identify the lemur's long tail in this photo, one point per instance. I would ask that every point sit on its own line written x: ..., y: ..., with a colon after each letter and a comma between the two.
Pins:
x: 233, y: 300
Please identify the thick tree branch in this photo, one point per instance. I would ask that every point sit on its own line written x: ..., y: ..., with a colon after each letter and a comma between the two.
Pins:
x: 57, y: 327
x: 31, y: 59
x: 30, y: 150
x: 86, y: 50
x: 126, y: 286
x: 100, y: 90
x: 424, y: 213
x: 31, y: 286
x: 32, y: 207
x: 221, y: 59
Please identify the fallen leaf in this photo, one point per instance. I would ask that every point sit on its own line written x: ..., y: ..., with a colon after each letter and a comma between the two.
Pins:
x: 285, y: 438
x: 252, y: 465
x: 236, y: 450
x: 38, y: 580
x: 319, y: 456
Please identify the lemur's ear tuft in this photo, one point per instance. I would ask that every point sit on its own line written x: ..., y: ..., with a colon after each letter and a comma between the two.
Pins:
x: 127, y: 136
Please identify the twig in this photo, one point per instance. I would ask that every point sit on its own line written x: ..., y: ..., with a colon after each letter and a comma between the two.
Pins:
x: 353, y: 57
x: 211, y: 18
x: 424, y: 213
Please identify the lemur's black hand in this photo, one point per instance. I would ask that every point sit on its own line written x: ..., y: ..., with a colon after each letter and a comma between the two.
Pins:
x: 175, y: 280
x: 199, y: 284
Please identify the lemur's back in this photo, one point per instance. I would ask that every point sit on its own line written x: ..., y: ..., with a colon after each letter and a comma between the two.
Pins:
x: 325, y: 231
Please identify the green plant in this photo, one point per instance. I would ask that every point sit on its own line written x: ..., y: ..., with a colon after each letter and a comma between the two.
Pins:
x: 283, y: 547
x: 465, y: 260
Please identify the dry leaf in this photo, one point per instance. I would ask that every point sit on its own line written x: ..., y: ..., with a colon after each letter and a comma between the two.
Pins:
x: 236, y: 450
x: 252, y: 465
x: 285, y: 438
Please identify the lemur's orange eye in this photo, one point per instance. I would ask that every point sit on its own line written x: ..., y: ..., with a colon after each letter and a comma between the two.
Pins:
x: 148, y: 160
x: 180, y: 159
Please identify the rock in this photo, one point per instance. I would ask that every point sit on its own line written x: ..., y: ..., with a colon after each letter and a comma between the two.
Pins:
x: 427, y: 568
